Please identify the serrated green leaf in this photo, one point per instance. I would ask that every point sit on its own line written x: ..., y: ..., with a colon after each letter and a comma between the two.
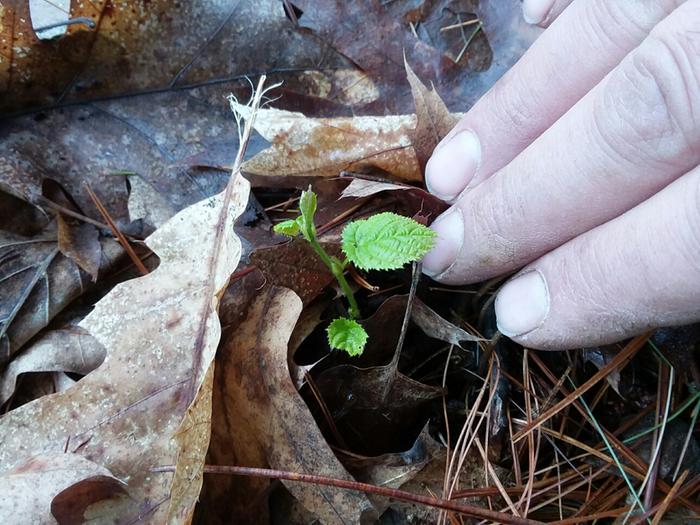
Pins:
x: 386, y: 241
x: 348, y: 335
x: 289, y: 228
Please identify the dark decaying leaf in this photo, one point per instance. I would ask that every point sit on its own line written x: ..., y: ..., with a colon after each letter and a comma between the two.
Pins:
x: 260, y: 420
x: 36, y: 283
x: 144, y: 47
x: 296, y: 266
x: 371, y: 34
x: 350, y: 27
x: 375, y: 407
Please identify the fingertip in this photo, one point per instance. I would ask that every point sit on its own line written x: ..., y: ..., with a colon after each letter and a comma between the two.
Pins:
x: 522, y: 304
x: 449, y: 228
x: 535, y: 11
x: 453, y: 165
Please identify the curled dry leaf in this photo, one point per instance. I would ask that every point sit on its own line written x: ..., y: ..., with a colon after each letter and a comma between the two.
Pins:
x: 365, y: 188
x: 29, y: 488
x: 394, y: 469
x: 309, y: 147
x: 69, y: 349
x: 398, y: 145
x: 260, y: 419
x: 438, y: 327
x: 160, y: 333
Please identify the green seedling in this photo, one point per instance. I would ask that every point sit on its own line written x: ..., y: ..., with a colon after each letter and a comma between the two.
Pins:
x: 385, y: 241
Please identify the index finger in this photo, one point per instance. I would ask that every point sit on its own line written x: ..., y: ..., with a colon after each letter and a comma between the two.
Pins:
x: 586, y: 42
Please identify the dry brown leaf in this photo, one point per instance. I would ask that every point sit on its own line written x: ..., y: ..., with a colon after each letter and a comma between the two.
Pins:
x: 160, y: 332
x: 433, y: 120
x: 398, y: 145
x: 30, y: 487
x: 69, y: 349
x: 81, y: 244
x: 308, y: 147
x: 260, y: 419
x: 149, y: 46
x: 438, y: 327
x: 295, y: 265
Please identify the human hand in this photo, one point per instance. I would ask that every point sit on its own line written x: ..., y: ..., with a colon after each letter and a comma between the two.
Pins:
x: 582, y: 163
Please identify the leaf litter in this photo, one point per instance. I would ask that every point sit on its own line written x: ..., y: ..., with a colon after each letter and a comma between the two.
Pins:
x: 162, y: 397
x: 447, y: 414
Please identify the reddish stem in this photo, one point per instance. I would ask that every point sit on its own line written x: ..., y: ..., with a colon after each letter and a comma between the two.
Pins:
x: 468, y: 510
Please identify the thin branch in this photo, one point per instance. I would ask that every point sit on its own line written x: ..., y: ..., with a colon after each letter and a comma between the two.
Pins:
x: 467, y: 510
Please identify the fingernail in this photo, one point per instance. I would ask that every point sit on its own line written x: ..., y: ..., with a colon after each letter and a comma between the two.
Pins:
x: 453, y: 165
x: 448, y: 242
x: 535, y: 11
x: 522, y: 304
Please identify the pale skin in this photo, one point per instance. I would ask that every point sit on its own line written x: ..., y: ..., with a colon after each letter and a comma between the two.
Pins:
x: 580, y: 170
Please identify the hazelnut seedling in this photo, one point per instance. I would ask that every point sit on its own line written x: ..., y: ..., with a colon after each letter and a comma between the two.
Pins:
x: 385, y: 241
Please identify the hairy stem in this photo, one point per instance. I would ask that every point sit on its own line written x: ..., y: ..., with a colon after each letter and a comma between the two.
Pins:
x: 336, y: 267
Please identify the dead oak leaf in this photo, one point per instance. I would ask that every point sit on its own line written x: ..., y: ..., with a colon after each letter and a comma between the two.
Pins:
x: 260, y: 419
x: 160, y: 332
x: 398, y: 145
x: 308, y: 147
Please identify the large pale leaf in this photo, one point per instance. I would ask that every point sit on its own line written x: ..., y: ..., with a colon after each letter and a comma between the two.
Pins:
x: 160, y: 332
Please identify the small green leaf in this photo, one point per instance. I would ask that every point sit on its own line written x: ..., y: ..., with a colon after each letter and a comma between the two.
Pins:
x: 289, y: 228
x: 386, y: 241
x: 307, y: 207
x: 346, y: 334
